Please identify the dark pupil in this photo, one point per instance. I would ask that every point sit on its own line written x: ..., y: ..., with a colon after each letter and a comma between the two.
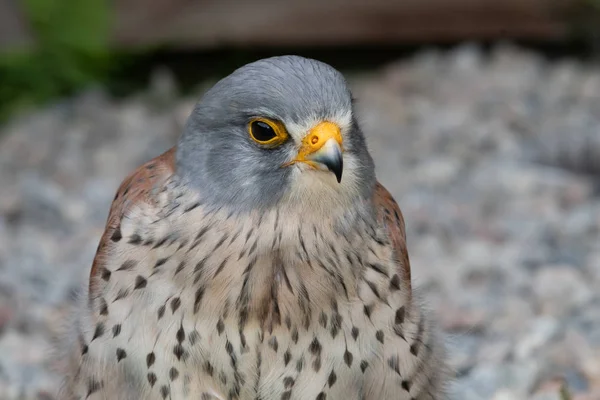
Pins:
x: 262, y: 131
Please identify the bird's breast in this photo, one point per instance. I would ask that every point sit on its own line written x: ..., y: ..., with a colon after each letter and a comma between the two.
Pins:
x: 247, y: 307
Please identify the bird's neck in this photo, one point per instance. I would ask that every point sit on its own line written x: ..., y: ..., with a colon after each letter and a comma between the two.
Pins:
x: 273, y: 266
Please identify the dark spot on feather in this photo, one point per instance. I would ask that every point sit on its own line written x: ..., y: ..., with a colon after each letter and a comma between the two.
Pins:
x: 374, y: 289
x: 317, y: 363
x: 414, y: 349
x: 286, y: 278
x: 93, y: 386
x: 151, y: 378
x: 315, y: 347
x: 182, y: 244
x: 135, y: 239
x: 243, y: 346
x: 116, y: 236
x: 179, y: 268
x: 287, y: 356
x: 201, y: 233
x: 300, y: 364
x: 164, y: 391
x: 250, y: 232
x: 180, y: 335
x: 343, y: 284
x: 191, y: 207
x: 378, y: 268
x: 220, y: 242
x: 193, y: 337
x: 221, y: 266
x: 253, y: 248
x: 323, y: 319
x: 400, y: 313
x: 243, y: 317
x: 105, y: 273
x: 368, y: 309
x: 336, y: 323
x: 208, y: 368
x: 173, y: 373
x: 288, y: 382
x: 150, y: 358
x: 140, y: 282
x: 99, y: 331
x: 198, y: 298
x: 363, y: 366
x: 121, y: 354
x: 398, y: 331
x: 348, y: 357
x: 332, y: 378
x: 116, y: 330
x: 229, y: 347
x: 273, y: 343
x: 178, y: 351
x: 127, y: 265
x: 103, y: 307
x: 406, y: 385
x: 261, y: 336
x: 161, y: 261
x: 379, y: 335
x: 175, y: 303
x: 394, y: 364
x: 200, y: 266
x: 160, y: 242
x: 288, y: 322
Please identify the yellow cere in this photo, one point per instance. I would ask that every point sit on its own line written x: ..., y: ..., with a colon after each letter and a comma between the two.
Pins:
x: 317, y: 137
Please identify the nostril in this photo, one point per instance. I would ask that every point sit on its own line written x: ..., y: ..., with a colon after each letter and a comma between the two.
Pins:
x: 314, y: 139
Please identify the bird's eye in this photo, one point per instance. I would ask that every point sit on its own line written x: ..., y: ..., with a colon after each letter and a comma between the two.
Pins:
x: 262, y: 132
x: 267, y: 132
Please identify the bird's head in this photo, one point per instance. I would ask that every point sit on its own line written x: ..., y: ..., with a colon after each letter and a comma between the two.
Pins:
x: 277, y: 131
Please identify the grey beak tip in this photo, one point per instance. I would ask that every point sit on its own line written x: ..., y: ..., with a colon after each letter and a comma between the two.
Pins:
x: 336, y: 165
x: 338, y: 172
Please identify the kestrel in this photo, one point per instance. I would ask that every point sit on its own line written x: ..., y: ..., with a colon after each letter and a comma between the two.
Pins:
x: 258, y: 259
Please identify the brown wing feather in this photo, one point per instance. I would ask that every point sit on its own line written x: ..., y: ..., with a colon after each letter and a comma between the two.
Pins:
x: 134, y: 189
x: 389, y: 215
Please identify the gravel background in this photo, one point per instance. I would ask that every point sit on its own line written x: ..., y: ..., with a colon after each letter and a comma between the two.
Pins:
x: 494, y: 159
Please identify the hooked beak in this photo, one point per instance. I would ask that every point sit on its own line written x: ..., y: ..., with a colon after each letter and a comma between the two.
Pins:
x: 322, y: 149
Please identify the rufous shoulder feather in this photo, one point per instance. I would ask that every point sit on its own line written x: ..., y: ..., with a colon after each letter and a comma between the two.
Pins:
x: 390, y: 216
x: 135, y: 189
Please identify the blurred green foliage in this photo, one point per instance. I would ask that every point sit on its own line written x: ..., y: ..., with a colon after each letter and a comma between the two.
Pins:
x: 70, y: 50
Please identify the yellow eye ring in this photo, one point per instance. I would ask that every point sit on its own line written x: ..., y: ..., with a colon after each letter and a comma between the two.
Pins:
x: 267, y: 132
